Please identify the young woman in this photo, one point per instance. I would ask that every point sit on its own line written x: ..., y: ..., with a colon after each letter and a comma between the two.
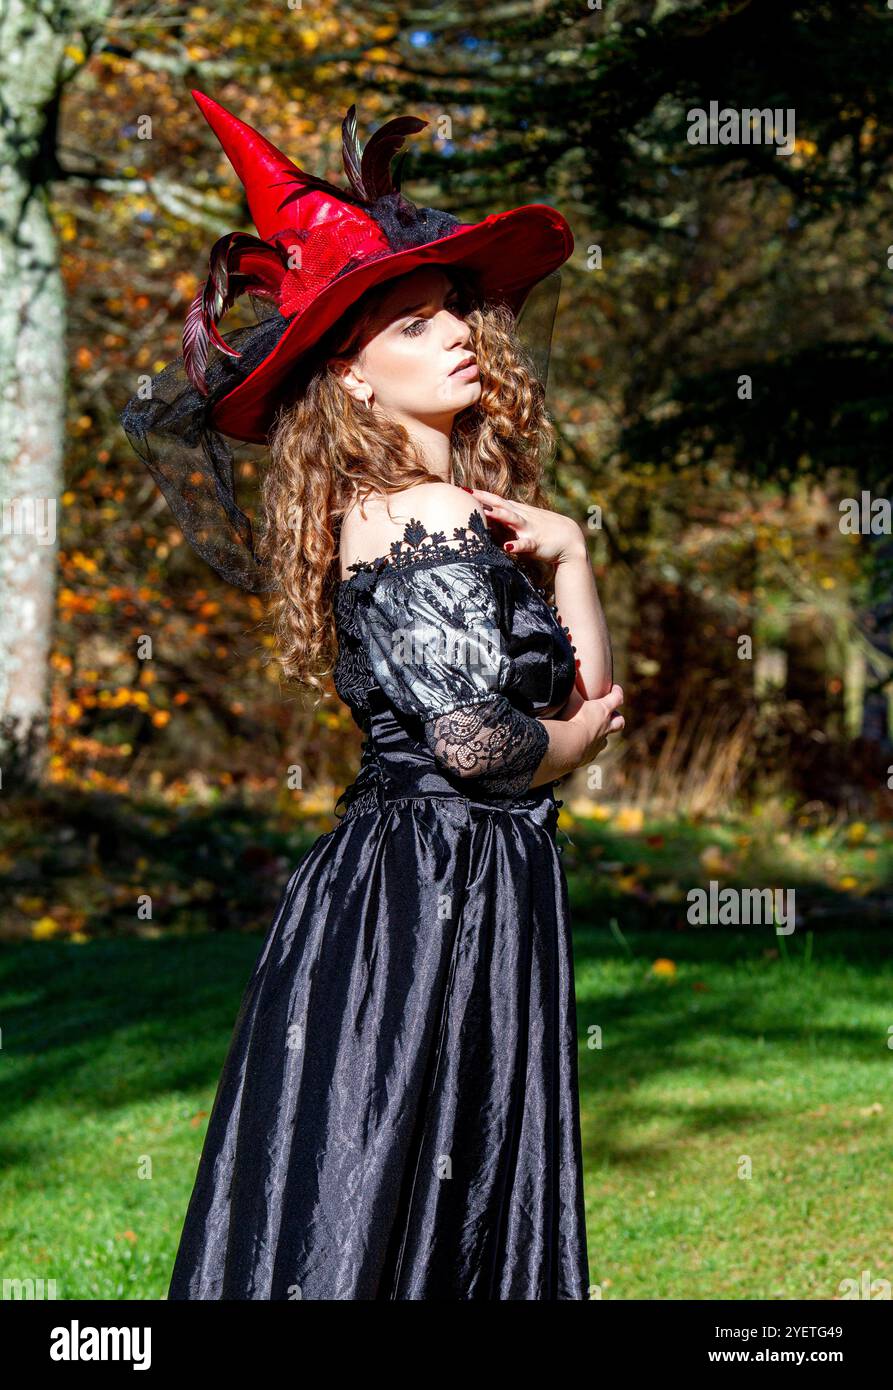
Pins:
x: 398, y: 1113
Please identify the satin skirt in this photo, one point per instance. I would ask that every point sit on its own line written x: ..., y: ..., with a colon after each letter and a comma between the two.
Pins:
x: 398, y: 1112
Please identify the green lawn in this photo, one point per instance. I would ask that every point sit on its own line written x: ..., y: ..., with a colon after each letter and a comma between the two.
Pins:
x: 112, y: 1050
x: 737, y: 1119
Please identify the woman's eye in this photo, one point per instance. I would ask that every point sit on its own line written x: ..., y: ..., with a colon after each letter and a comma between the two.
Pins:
x: 413, y: 329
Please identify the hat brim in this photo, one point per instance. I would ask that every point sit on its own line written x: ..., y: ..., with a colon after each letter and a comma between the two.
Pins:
x: 509, y: 253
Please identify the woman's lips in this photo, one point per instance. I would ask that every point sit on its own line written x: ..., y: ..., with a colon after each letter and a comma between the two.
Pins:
x: 466, y: 373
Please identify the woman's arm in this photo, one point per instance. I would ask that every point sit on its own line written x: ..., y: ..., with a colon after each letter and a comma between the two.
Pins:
x: 578, y: 735
x: 580, y: 610
x: 558, y: 539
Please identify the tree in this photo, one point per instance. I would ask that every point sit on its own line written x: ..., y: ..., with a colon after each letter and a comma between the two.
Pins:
x: 37, y: 58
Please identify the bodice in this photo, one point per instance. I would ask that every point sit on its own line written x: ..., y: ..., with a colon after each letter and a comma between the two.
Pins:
x: 448, y: 658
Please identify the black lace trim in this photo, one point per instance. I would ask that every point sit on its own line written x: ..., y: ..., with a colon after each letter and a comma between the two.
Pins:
x: 491, y: 741
x: 411, y: 547
x: 438, y: 550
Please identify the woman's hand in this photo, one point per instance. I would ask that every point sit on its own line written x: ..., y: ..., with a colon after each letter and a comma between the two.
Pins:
x: 599, y: 720
x: 534, y: 531
x: 574, y: 701
x: 578, y: 734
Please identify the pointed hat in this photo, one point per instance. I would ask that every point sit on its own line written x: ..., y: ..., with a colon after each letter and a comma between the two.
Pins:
x: 321, y: 247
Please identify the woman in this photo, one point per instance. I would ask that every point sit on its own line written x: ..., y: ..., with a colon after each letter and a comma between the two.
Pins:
x: 397, y: 1116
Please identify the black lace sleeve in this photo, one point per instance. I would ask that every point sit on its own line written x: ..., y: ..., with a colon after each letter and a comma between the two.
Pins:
x: 438, y: 653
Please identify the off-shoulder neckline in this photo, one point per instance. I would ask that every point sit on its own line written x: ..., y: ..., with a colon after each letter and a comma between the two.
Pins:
x: 438, y: 548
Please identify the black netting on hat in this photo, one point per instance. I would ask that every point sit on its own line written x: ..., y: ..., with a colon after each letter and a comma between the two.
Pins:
x: 168, y: 425
x: 535, y: 323
x: 405, y: 225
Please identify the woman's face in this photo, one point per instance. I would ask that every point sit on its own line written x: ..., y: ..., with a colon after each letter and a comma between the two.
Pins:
x: 409, y: 353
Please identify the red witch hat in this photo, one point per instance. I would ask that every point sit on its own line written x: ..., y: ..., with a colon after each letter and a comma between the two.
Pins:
x: 319, y: 249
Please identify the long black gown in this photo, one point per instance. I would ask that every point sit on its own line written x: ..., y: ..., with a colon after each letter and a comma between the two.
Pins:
x: 398, y: 1112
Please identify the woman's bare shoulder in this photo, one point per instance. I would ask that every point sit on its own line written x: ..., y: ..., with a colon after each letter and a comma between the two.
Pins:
x: 438, y: 506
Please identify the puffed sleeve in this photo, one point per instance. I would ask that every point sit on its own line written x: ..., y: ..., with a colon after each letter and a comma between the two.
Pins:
x: 437, y: 650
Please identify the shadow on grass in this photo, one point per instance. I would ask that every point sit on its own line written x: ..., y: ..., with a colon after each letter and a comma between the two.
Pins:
x: 105, y: 1023
x: 741, y: 1006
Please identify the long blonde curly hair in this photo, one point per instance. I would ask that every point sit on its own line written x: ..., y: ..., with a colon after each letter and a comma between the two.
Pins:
x: 329, y: 452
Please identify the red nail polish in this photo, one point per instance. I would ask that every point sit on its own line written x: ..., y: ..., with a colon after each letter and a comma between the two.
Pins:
x: 464, y: 488
x: 509, y: 546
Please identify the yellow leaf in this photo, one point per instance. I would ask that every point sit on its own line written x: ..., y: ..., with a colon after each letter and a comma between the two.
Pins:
x: 713, y: 861
x: 590, y: 810
x: 44, y: 927
x: 668, y: 892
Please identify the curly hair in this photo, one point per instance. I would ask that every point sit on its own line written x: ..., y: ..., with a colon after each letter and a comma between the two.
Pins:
x: 328, y: 452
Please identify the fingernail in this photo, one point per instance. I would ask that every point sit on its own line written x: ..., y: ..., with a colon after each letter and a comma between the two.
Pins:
x: 508, y: 546
x: 464, y: 488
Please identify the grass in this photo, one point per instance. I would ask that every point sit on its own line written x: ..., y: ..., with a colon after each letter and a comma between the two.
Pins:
x: 112, y: 1051
x: 740, y: 1054
x: 736, y: 1119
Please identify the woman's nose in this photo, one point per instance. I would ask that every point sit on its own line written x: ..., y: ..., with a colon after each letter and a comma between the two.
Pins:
x: 458, y: 331
x: 458, y: 339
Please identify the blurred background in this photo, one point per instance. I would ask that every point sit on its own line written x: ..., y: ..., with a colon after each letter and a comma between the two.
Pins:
x: 720, y: 383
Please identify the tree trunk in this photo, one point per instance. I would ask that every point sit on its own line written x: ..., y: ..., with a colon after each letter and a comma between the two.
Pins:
x: 32, y: 413
x: 33, y: 40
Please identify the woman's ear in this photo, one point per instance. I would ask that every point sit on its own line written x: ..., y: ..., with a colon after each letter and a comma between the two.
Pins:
x: 350, y: 379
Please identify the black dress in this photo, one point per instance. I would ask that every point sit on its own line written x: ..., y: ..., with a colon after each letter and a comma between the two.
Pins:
x: 398, y: 1113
